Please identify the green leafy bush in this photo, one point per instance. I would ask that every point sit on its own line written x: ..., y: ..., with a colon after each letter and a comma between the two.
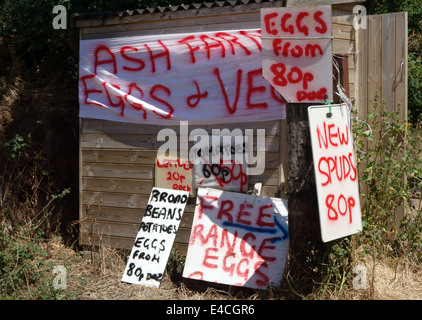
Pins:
x: 415, y: 87
x: 24, y: 272
x: 390, y: 166
x: 391, y: 170
x: 14, y: 146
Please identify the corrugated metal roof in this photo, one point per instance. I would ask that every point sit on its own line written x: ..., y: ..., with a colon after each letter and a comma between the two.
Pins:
x: 103, y: 15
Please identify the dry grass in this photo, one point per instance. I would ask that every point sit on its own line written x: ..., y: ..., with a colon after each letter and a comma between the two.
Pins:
x: 396, y: 279
x: 96, y: 276
x: 399, y: 282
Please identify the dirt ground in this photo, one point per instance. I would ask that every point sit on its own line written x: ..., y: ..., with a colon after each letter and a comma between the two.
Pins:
x: 96, y: 276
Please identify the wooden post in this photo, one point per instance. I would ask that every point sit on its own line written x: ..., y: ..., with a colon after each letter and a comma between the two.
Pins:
x: 304, y: 227
x: 303, y: 205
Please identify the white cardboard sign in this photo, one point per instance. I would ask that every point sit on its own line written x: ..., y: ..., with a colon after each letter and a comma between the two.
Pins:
x: 221, y: 162
x: 174, y: 173
x: 154, y: 241
x: 238, y: 239
x: 335, y: 172
x: 297, y: 53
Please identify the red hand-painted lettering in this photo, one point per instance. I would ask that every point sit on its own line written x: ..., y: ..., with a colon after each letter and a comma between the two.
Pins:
x: 340, y: 205
x: 135, y: 105
x: 211, y: 43
x: 252, y: 89
x: 88, y: 91
x: 232, y: 40
x: 153, y: 92
x: 191, y: 49
x: 120, y: 104
x: 317, y: 17
x: 194, y: 99
x: 231, y: 109
x: 300, y: 27
x: 154, y: 56
x: 111, y: 58
x: 140, y: 62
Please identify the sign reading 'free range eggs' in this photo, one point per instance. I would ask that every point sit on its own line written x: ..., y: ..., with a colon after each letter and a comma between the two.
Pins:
x: 238, y: 239
x: 154, y: 241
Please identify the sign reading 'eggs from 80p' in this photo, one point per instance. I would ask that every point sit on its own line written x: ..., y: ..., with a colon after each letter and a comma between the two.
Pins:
x: 297, y: 52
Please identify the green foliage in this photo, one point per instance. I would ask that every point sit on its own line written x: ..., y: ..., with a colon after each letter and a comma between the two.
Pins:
x: 393, y: 153
x: 44, y: 53
x: 14, y: 146
x: 413, y: 7
x: 414, y: 87
x: 336, y: 268
x: 175, y: 265
x: 61, y: 194
x: 390, y: 152
x: 26, y: 28
x: 24, y: 271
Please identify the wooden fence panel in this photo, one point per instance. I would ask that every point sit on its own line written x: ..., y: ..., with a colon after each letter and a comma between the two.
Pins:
x: 117, y: 175
x: 381, y: 69
x: 381, y: 63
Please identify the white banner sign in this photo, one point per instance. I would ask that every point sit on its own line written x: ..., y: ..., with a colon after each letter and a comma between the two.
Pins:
x: 296, y: 53
x: 203, y: 78
x: 335, y: 171
x: 238, y: 239
x: 154, y: 241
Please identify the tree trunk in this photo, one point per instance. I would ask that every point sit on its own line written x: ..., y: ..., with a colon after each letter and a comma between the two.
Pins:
x: 304, y: 228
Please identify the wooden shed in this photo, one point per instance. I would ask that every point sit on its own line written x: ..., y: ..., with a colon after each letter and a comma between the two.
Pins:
x: 117, y: 158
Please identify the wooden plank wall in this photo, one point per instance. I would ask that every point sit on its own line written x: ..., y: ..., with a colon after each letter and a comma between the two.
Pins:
x: 382, y: 63
x: 381, y: 68
x: 117, y: 174
x: 117, y: 159
x: 344, y: 41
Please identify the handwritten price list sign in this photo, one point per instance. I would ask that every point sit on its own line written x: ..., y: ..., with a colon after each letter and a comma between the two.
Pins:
x: 297, y: 53
x: 155, y: 238
x: 238, y: 239
x: 335, y: 172
x: 221, y: 165
x: 174, y: 173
